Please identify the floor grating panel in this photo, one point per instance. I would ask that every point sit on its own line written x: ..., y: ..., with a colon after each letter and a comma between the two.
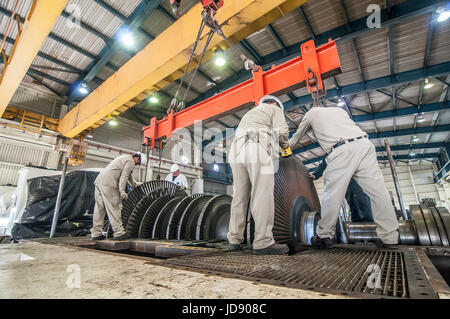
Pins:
x: 345, y: 271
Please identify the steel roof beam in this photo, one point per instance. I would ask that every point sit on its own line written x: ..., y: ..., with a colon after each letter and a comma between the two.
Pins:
x: 43, y: 83
x: 378, y: 83
x: 134, y: 21
x: 400, y: 13
x: 277, y: 38
x: 48, y: 76
x: 386, y: 134
x: 382, y: 158
x: 248, y: 47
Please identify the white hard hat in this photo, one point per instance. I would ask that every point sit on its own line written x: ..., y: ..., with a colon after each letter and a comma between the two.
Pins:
x: 174, y: 168
x: 268, y: 98
x: 143, y: 158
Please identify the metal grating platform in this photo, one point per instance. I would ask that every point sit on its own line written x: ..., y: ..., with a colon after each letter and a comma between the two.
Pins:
x: 338, y: 270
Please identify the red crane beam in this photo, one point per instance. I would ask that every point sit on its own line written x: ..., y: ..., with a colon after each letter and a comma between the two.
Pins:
x: 291, y: 75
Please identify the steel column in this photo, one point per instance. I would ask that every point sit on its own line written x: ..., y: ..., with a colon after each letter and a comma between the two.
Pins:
x: 59, y: 197
x: 395, y: 177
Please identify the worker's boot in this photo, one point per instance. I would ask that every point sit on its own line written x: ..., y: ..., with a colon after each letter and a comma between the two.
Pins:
x: 274, y: 249
x: 321, y: 243
x: 383, y: 245
x: 234, y: 247
x: 123, y: 237
x: 101, y: 237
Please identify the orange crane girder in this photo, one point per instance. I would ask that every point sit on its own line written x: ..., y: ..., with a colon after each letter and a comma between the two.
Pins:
x: 289, y: 76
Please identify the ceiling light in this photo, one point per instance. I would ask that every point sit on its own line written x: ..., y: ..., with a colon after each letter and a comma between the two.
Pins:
x: 184, y: 160
x: 219, y: 58
x: 154, y: 99
x: 220, y: 61
x: 127, y: 39
x: 444, y: 15
x: 415, y: 139
x: 216, y: 167
x: 113, y: 122
x: 420, y: 119
x: 428, y: 84
x: 83, y: 89
x: 89, y: 136
x: 341, y: 103
x: 412, y: 154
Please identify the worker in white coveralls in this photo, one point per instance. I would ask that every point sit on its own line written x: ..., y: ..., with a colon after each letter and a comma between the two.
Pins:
x: 251, y: 158
x: 110, y: 192
x: 176, y: 177
x: 350, y: 155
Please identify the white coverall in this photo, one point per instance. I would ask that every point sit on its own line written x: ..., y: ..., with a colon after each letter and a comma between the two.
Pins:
x: 357, y: 159
x: 109, y: 186
x: 252, y: 163
x: 180, y: 180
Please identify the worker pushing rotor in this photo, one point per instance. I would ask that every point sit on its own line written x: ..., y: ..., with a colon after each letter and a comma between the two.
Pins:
x: 251, y: 160
x: 350, y: 155
x: 110, y: 192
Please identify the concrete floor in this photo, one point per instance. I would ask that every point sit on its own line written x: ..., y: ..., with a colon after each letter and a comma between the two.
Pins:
x: 36, y: 270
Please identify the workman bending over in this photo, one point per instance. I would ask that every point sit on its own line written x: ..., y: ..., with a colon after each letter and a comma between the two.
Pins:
x: 110, y: 191
x: 350, y: 154
x: 251, y: 161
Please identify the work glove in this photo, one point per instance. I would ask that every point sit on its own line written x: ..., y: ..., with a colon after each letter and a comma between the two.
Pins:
x: 286, y: 152
x: 124, y: 196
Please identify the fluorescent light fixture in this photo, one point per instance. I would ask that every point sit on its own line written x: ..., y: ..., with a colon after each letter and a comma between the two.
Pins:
x: 412, y: 154
x: 341, y: 103
x: 113, y: 122
x: 216, y: 167
x: 153, y: 99
x: 415, y: 139
x: 420, y: 119
x: 83, y: 89
x: 89, y: 136
x: 428, y: 84
x: 127, y: 39
x: 219, y: 59
x: 444, y: 16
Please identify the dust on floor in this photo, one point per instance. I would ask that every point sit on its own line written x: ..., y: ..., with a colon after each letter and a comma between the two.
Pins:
x: 34, y: 270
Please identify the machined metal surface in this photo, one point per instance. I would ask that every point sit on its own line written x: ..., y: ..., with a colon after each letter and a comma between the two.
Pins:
x: 440, y: 226
x: 148, y: 220
x: 422, y: 232
x: 162, y: 220
x: 408, y: 233
x: 365, y: 231
x: 445, y: 218
x: 291, y: 180
x: 340, y: 270
x: 175, y: 216
x: 185, y: 222
x: 431, y: 225
x: 213, y: 222
x: 143, y: 195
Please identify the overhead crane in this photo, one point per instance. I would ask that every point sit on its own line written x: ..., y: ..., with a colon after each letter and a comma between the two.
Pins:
x: 163, y: 59
x: 310, y: 69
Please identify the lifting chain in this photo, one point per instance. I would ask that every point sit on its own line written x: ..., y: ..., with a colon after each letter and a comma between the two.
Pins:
x: 209, y: 20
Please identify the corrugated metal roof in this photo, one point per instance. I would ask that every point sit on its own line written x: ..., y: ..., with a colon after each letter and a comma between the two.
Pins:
x: 409, y: 45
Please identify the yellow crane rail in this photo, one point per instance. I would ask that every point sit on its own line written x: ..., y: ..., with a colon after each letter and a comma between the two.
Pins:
x: 163, y: 60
